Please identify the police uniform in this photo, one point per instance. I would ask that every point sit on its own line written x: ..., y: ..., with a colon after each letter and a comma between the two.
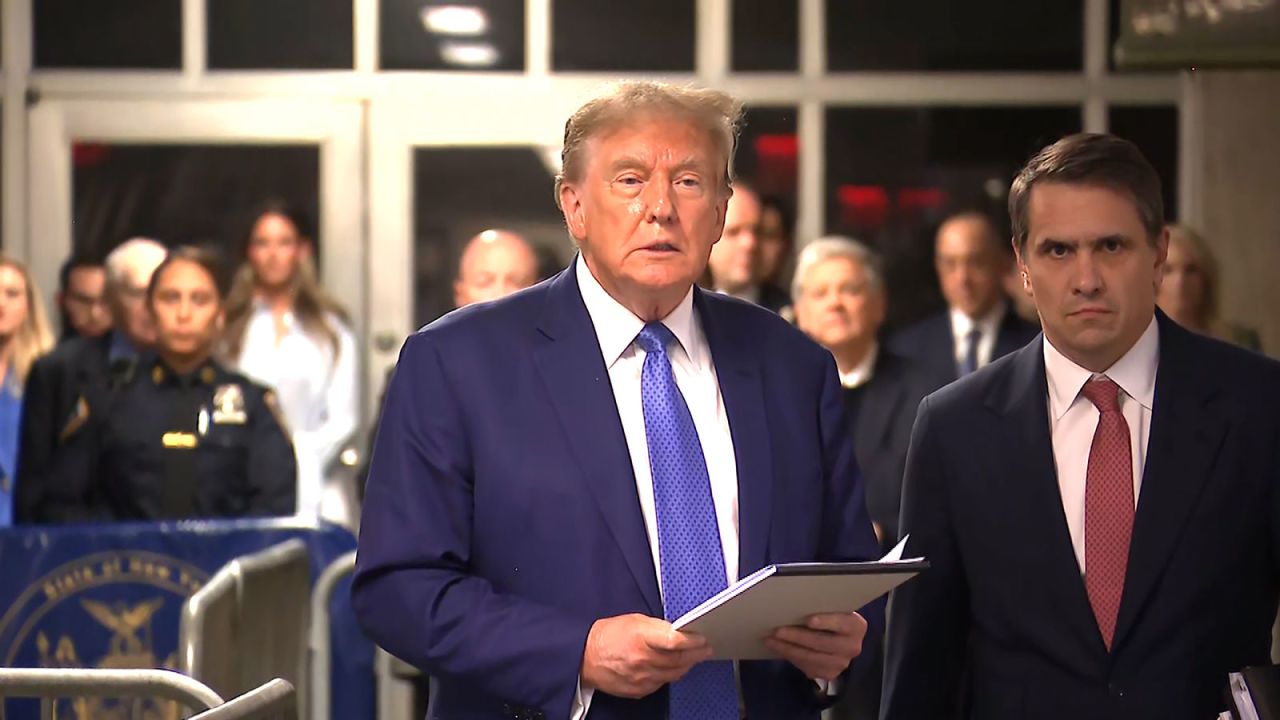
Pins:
x: 159, y: 445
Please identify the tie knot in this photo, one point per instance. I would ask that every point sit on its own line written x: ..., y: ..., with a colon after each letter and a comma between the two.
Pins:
x: 1103, y: 393
x: 654, y: 338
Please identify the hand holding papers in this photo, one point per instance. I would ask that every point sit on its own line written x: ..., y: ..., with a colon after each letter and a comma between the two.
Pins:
x: 736, y: 620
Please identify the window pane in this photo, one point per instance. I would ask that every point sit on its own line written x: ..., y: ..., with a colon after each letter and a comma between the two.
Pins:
x: 893, y: 174
x: 1155, y: 131
x: 142, y: 34
x: 458, y: 192
x: 767, y: 151
x: 183, y: 194
x: 280, y: 34
x: 955, y: 35
x: 766, y: 35
x: 657, y: 35
x: 440, y: 35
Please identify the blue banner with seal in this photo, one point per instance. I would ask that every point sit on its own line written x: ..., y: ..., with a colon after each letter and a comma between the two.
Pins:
x: 110, y: 596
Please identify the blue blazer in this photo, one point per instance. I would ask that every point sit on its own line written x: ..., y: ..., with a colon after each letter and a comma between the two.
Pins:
x: 501, y: 517
x: 1001, y: 627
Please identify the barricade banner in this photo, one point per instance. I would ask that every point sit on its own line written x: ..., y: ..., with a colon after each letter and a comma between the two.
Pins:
x: 110, y: 596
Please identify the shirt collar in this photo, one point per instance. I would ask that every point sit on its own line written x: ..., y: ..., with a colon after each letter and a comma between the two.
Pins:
x: 1134, y: 372
x: 987, y: 325
x: 861, y: 373
x: 616, y: 326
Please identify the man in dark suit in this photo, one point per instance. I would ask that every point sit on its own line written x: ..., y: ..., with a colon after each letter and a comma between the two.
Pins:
x: 840, y: 302
x: 979, y: 324
x: 58, y: 380
x: 562, y: 472
x: 737, y: 265
x: 1100, y: 508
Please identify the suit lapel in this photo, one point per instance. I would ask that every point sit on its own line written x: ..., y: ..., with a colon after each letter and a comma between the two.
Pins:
x: 578, y: 383
x: 1186, y: 434
x: 741, y: 386
x: 1024, y: 405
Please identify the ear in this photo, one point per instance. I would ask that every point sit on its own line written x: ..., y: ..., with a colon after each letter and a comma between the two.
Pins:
x: 220, y: 321
x: 306, y: 248
x: 1162, y: 255
x: 722, y: 213
x: 571, y: 206
x: 1023, y: 272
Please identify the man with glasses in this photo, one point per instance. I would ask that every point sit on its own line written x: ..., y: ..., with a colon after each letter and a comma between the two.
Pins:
x: 81, y: 298
x: 58, y: 379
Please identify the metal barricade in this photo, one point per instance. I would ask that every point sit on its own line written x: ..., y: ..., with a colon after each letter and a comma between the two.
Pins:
x: 321, y: 642
x: 248, y: 624
x: 50, y: 683
x: 275, y: 700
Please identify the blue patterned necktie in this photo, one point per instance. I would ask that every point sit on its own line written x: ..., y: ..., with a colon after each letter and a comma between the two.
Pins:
x: 689, y: 550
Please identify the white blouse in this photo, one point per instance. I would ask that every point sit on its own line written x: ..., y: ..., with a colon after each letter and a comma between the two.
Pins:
x: 317, y: 392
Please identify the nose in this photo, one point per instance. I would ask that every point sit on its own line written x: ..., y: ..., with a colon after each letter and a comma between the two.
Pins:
x: 658, y: 201
x: 1088, y: 281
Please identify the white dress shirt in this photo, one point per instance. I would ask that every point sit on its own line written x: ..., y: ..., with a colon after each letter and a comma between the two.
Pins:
x: 317, y: 394
x: 988, y: 328
x: 695, y: 374
x: 861, y: 373
x: 1073, y: 420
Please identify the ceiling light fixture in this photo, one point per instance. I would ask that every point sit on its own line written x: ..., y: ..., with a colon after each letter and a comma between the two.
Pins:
x: 458, y: 20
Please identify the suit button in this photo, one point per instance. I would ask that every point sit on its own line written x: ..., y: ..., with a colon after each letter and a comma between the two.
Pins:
x: 1115, y: 690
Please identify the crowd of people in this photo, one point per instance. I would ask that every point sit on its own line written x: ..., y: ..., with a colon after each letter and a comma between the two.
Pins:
x: 181, y: 390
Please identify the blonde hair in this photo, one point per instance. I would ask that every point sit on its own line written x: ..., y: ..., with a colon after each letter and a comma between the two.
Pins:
x: 312, y: 306
x: 1208, y: 265
x: 33, y: 337
x: 624, y: 103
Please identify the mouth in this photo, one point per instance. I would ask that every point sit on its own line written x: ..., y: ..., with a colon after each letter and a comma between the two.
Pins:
x: 1090, y: 312
x: 660, y: 247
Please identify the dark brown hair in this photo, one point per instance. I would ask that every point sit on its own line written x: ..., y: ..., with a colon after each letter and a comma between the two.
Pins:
x: 208, y: 259
x: 311, y: 304
x: 1089, y: 159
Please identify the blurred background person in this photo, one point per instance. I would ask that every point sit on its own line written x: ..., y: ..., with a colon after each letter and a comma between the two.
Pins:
x: 58, y: 380
x: 1189, y: 289
x: 284, y: 331
x: 776, y: 243
x: 735, y: 266
x: 840, y: 302
x: 24, y: 336
x: 183, y: 437
x: 81, y: 298
x: 495, y: 263
x: 979, y: 324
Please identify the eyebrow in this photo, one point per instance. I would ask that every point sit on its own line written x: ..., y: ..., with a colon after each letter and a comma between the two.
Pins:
x: 633, y: 162
x: 1092, y: 241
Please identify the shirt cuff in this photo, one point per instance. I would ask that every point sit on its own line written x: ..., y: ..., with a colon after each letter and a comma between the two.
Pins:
x: 581, y: 701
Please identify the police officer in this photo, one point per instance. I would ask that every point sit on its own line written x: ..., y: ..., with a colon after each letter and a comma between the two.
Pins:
x: 182, y: 437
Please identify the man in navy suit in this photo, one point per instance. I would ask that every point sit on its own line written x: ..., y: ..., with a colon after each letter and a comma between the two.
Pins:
x: 1100, y: 508
x: 979, y: 324
x: 560, y: 473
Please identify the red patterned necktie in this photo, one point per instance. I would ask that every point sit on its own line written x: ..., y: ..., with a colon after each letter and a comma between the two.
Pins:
x: 1108, y: 506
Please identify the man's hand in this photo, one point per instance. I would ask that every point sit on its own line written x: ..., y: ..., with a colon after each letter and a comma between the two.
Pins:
x: 824, y: 646
x: 631, y: 656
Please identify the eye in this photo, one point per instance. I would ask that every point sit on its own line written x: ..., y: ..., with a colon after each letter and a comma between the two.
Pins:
x: 1056, y: 250
x: 1112, y: 245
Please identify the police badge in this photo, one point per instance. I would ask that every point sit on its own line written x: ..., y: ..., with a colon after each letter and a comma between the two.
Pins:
x: 228, y: 405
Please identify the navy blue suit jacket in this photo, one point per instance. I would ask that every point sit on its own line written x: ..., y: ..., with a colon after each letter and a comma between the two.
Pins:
x: 501, y: 517
x: 1001, y: 626
x: 930, y: 345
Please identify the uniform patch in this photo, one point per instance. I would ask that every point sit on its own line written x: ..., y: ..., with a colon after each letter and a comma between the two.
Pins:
x: 179, y: 440
x: 79, y: 416
x: 228, y: 405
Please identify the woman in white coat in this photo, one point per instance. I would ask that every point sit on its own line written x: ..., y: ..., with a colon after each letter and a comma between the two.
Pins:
x: 284, y: 331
